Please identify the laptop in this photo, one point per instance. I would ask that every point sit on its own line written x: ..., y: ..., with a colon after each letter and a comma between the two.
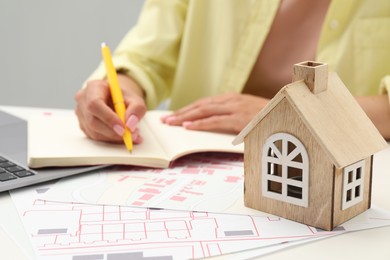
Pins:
x: 14, y: 171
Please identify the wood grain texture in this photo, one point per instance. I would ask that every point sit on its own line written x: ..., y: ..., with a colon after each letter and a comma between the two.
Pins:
x: 320, y: 111
x: 283, y: 118
x: 337, y: 122
x: 340, y: 216
x: 333, y: 117
x: 314, y: 74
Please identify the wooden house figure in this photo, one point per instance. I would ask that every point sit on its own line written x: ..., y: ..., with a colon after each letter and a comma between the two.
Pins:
x: 308, y: 154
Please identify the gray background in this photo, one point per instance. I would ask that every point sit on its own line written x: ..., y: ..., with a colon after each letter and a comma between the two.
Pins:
x: 49, y: 47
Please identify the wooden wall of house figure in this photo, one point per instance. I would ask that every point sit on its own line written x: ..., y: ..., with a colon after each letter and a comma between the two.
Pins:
x: 308, y: 154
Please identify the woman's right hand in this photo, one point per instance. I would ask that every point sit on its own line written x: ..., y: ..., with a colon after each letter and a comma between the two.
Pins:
x: 96, y: 114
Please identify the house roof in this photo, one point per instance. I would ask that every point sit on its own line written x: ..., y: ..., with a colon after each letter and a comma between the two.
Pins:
x: 333, y: 116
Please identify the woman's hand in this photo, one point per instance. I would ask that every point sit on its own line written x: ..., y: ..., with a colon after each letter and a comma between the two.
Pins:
x: 228, y: 113
x: 96, y: 114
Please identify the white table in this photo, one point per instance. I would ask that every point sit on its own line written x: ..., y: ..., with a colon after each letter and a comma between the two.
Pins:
x: 367, y: 244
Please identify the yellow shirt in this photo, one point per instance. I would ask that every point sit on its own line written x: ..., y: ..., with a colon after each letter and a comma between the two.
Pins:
x: 188, y: 49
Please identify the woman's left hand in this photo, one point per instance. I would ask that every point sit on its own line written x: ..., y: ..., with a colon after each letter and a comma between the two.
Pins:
x: 228, y: 113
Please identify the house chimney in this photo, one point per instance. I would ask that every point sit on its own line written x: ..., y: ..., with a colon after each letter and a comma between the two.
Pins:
x: 314, y: 74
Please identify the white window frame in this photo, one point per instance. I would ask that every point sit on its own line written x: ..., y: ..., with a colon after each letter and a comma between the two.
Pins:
x: 351, y: 171
x: 285, y: 159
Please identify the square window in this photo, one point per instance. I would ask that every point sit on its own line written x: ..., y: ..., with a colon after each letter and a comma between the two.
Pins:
x: 349, y: 195
x: 358, y: 173
x: 274, y: 169
x: 294, y: 191
x: 357, y: 191
x: 274, y: 186
x: 294, y: 173
x: 353, y: 184
x: 350, y: 176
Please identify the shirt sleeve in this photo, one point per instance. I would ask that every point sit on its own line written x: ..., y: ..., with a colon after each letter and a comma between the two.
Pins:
x: 149, y: 51
x: 385, y: 86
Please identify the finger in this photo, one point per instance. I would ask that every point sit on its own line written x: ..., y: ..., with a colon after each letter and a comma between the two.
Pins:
x: 84, y: 117
x: 135, y: 111
x: 198, y: 104
x: 98, y: 130
x: 198, y: 113
x: 182, y: 111
x: 96, y: 89
x: 107, y: 122
x: 95, y: 114
x: 98, y: 107
x: 203, y: 103
x: 94, y: 110
x: 223, y: 123
x: 137, y: 138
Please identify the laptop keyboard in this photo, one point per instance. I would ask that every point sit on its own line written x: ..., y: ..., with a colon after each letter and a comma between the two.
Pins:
x: 10, y: 170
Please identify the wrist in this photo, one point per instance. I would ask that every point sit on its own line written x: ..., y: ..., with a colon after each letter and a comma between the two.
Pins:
x: 129, y: 85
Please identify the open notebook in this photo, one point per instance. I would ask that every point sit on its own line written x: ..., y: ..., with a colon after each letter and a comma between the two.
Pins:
x: 56, y: 140
x: 14, y: 171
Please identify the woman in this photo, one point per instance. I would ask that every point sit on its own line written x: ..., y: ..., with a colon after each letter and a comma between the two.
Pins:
x: 219, y: 62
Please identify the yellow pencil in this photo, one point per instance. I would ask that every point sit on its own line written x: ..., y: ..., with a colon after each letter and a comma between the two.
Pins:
x: 116, y: 94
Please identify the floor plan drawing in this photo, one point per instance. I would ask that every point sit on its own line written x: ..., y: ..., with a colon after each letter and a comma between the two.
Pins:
x: 209, y: 182
x: 142, y: 223
x: 84, y: 231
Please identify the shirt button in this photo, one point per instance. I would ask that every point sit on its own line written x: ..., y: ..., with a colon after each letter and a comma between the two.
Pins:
x: 334, y: 24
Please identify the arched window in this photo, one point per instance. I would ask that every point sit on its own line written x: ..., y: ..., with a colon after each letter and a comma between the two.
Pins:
x: 285, y: 169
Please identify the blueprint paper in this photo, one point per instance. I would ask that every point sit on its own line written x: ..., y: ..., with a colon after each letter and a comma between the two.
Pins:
x: 88, y: 227
x: 85, y: 231
x: 203, y: 182
x: 209, y: 182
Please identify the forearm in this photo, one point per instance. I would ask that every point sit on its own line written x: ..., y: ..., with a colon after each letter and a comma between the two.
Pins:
x: 378, y: 110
